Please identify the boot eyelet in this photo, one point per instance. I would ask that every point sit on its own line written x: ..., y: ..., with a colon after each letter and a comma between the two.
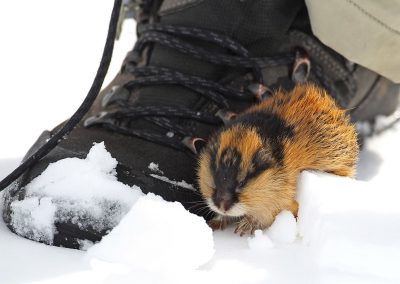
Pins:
x: 95, y: 119
x: 115, y: 93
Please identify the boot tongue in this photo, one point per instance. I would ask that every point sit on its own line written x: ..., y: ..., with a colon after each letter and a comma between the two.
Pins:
x: 246, y: 21
x: 243, y: 20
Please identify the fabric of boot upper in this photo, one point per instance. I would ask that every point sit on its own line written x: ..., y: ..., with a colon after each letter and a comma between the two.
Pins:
x: 194, y: 63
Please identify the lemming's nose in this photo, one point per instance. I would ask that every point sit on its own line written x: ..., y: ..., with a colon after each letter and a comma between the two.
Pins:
x: 223, y: 201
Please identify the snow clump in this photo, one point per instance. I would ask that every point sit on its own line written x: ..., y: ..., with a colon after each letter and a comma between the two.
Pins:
x: 282, y: 231
x: 84, y: 192
x: 159, y: 236
x: 351, y: 226
x: 284, y: 228
x: 155, y: 168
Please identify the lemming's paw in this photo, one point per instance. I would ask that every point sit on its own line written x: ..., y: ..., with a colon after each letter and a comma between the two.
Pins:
x: 218, y: 223
x: 246, y: 225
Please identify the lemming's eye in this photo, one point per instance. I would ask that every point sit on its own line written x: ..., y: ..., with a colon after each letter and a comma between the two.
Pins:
x: 239, y: 188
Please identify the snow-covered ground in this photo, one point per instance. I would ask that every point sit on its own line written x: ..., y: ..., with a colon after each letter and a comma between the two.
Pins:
x: 348, y: 231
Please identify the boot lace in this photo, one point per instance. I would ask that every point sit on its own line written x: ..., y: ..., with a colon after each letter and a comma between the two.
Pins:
x: 176, y: 134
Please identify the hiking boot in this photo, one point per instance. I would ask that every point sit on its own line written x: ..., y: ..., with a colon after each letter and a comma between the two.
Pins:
x: 196, y: 63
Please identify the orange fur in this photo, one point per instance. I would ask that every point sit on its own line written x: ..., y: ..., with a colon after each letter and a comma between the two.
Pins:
x: 327, y: 134
x: 324, y: 139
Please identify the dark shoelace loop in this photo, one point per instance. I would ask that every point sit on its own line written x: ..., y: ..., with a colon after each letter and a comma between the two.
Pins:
x: 221, y: 40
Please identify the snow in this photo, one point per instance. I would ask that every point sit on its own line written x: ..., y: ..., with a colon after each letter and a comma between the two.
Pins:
x: 182, y: 183
x: 175, y: 239
x: 282, y: 232
x: 83, y: 191
x: 284, y: 228
x: 85, y: 244
x: 155, y: 168
x: 347, y: 230
x: 35, y: 218
x: 260, y: 241
x: 351, y: 225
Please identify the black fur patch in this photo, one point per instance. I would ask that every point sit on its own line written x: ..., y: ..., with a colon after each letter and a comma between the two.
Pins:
x: 270, y: 127
x: 225, y: 176
x: 259, y: 164
x: 212, y: 149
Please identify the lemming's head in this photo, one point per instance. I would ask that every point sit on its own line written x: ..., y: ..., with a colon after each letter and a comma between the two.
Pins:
x: 239, y: 171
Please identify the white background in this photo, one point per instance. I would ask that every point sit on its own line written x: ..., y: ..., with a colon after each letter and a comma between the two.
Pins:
x: 49, y: 54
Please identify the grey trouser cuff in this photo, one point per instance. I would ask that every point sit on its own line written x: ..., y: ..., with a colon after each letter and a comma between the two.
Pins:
x: 366, y: 32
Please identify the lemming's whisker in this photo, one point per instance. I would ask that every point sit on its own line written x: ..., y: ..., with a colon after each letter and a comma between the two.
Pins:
x: 197, y: 192
x: 196, y: 201
x: 204, y: 209
x: 194, y: 206
x: 210, y: 212
x: 202, y: 206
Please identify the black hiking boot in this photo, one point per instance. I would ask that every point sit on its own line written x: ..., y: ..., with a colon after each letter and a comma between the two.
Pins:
x: 196, y: 62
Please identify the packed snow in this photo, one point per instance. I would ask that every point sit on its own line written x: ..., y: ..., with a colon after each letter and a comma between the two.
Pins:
x: 170, y: 233
x: 282, y: 231
x: 350, y: 225
x: 347, y: 230
x: 155, y: 168
x: 81, y: 191
x: 260, y: 241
